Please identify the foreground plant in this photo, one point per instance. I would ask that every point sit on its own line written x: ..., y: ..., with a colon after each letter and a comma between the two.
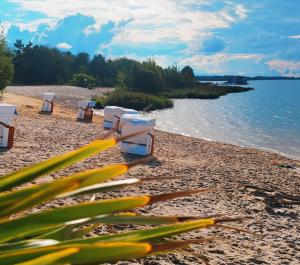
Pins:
x: 57, y: 236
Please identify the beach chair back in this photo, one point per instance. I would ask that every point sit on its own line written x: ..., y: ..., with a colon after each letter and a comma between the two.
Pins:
x: 48, y: 103
x: 113, y: 114
x: 7, y: 132
x: 109, y: 113
x: 85, y: 110
x: 119, y: 113
x: 141, y: 144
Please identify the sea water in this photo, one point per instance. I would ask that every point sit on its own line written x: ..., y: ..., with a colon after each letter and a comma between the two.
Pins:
x: 267, y: 118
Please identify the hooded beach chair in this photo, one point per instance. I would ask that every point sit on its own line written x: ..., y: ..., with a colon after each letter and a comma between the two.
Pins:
x: 48, y: 103
x: 6, y: 131
x: 141, y: 144
x: 112, y: 115
x: 85, y: 110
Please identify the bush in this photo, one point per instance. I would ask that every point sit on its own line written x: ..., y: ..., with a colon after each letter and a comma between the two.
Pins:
x: 134, y: 100
x: 83, y: 80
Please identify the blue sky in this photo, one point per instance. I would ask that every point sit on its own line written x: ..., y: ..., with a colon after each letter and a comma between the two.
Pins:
x: 247, y: 37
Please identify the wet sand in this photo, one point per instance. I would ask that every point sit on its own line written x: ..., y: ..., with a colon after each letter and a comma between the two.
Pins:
x: 248, y: 182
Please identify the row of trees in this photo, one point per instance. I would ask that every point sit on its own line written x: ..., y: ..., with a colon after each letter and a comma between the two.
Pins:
x: 6, y: 66
x: 36, y: 64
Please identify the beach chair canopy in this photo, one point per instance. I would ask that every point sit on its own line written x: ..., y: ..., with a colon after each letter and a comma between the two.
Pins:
x: 133, y: 123
x: 87, y: 103
x: 6, y: 112
x: 49, y: 96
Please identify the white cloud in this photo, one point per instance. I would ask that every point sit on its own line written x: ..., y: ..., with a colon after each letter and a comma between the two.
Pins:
x: 285, y: 67
x: 5, y: 26
x: 64, y: 45
x: 151, y: 21
x: 241, y: 11
x: 217, y: 63
x: 295, y: 37
x: 32, y: 26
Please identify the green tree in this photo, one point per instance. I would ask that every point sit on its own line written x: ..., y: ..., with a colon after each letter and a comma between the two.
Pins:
x: 122, y: 79
x: 98, y: 68
x: 173, y: 78
x: 188, y: 76
x: 147, y: 81
x: 81, y: 63
x: 6, y: 66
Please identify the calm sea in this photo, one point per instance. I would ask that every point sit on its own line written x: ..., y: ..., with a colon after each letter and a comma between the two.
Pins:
x: 267, y: 118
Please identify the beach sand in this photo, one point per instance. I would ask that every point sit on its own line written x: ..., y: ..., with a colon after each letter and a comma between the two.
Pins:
x: 248, y: 182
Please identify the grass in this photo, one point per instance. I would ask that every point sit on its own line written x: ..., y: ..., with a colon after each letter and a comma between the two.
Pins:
x: 141, y: 101
x: 133, y: 100
x: 204, y: 92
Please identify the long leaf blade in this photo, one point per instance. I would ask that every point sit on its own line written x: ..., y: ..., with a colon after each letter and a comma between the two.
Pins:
x: 11, y: 229
x: 54, y: 164
x: 51, y: 258
x: 148, y: 234
x: 88, y: 253
x: 15, y: 201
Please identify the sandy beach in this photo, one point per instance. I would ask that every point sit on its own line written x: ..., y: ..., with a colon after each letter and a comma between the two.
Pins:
x: 249, y: 182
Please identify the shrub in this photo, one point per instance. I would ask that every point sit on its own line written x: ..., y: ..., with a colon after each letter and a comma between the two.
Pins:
x: 83, y: 80
x: 134, y: 100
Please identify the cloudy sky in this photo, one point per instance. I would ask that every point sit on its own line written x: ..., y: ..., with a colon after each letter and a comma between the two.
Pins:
x: 248, y: 37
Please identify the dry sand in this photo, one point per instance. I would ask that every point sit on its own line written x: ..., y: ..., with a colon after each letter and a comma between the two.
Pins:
x: 65, y: 95
x: 249, y: 182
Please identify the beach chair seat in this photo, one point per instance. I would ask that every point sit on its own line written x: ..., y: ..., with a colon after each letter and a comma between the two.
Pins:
x: 85, y: 110
x: 141, y: 144
x: 48, y: 102
x: 7, y: 132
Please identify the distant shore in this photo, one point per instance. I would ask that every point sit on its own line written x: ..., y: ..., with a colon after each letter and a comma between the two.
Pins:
x: 248, y: 182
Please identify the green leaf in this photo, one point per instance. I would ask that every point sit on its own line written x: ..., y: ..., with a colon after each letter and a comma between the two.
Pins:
x: 138, y: 219
x: 18, y: 228
x: 101, y: 187
x: 54, y: 164
x: 15, y: 201
x: 28, y: 224
x: 88, y: 253
x: 51, y: 258
x: 148, y: 234
x: 32, y: 243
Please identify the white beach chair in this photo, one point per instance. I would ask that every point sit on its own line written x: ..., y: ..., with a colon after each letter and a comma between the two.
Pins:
x: 6, y: 131
x: 85, y: 110
x: 141, y: 144
x: 109, y: 112
x: 119, y: 113
x: 112, y: 115
x: 48, y: 103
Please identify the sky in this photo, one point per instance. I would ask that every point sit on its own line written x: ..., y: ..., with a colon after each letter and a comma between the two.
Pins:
x: 245, y: 37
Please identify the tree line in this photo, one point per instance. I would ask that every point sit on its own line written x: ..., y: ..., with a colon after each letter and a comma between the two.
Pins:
x: 39, y: 64
x: 6, y: 66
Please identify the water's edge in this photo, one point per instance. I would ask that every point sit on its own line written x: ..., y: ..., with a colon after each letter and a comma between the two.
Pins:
x: 100, y: 113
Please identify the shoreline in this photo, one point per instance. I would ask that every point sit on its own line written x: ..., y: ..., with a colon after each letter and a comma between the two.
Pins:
x: 248, y: 182
x: 70, y: 100
x: 272, y: 151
